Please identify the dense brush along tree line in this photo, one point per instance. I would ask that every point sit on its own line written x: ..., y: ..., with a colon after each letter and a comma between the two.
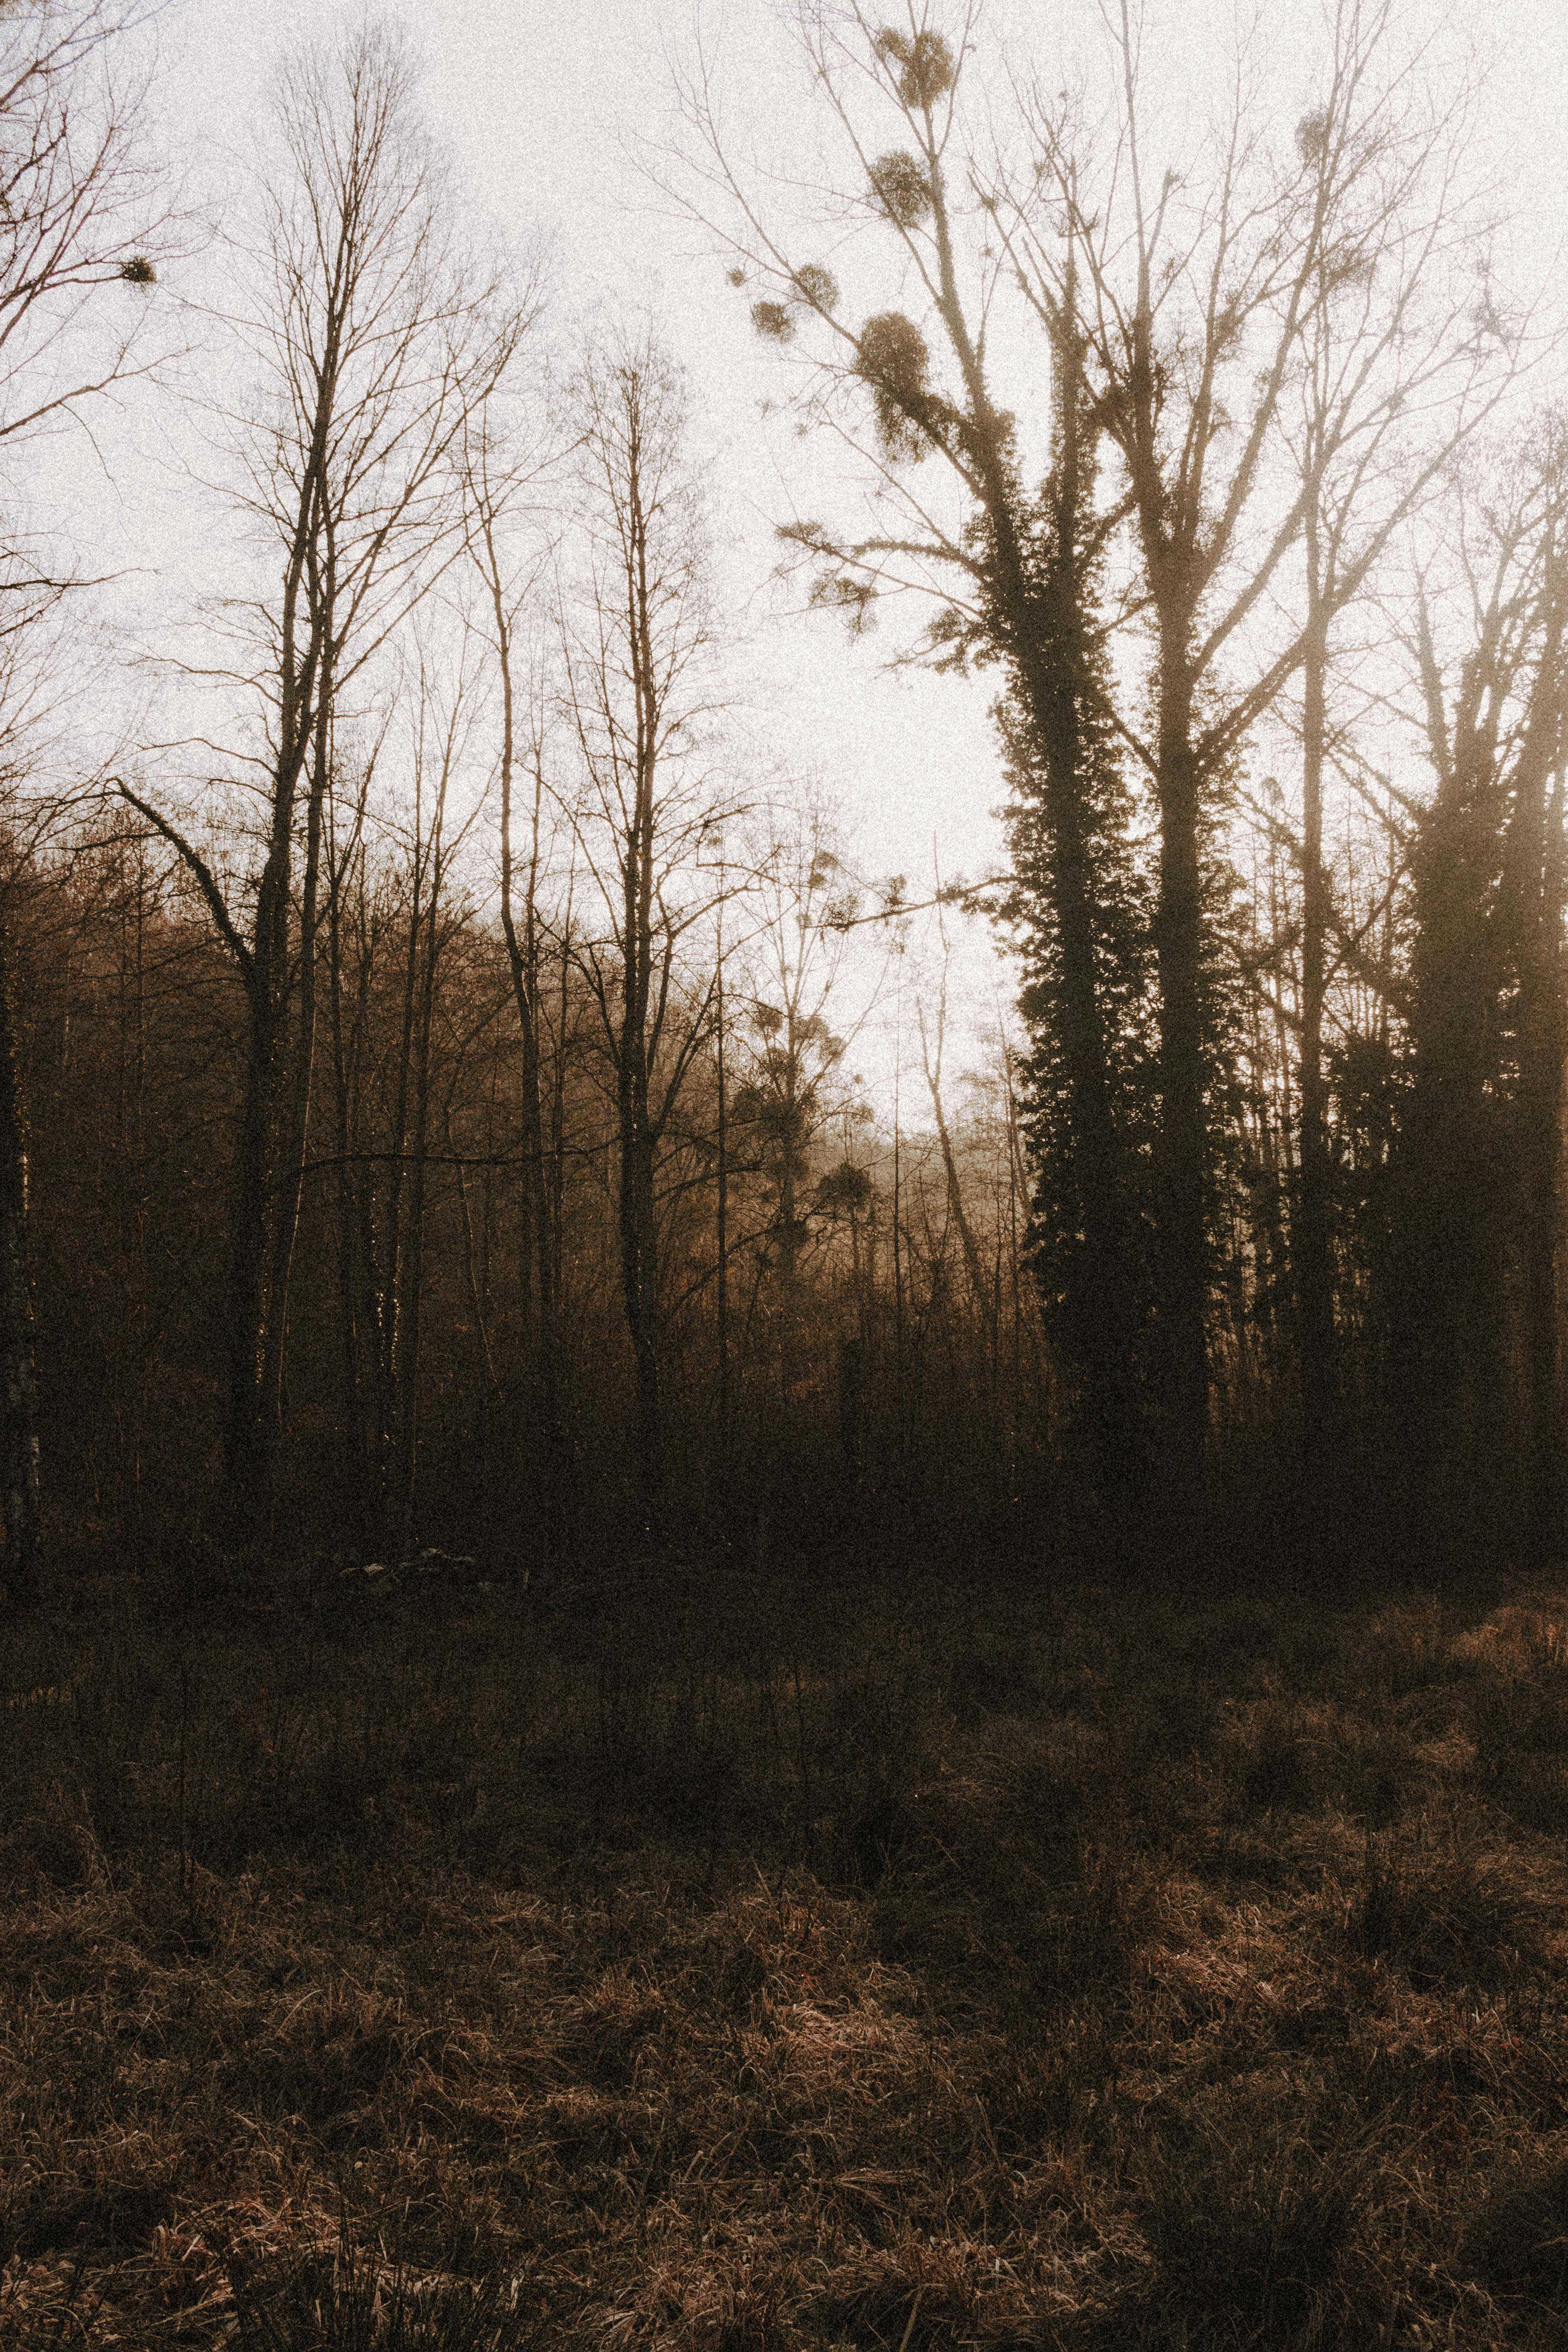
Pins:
x: 424, y: 1103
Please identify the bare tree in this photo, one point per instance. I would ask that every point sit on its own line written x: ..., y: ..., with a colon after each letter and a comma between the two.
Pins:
x: 82, y: 210
x: 497, y: 483
x: 1400, y: 360
x: 442, y: 728
x: 636, y: 649
x: 377, y: 339
x: 1481, y: 1147
x: 82, y: 227
x: 791, y: 1038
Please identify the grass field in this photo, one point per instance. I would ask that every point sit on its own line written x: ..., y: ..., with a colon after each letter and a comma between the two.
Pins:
x: 1047, y: 1967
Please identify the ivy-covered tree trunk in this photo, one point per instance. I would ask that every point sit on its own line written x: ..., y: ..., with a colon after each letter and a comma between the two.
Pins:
x: 1092, y: 1243
x: 1446, y: 1366
x: 1542, y: 1047
x: 1075, y: 904
x: 1534, y: 900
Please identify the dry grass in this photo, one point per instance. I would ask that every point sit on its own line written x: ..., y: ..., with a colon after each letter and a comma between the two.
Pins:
x: 1104, y: 1976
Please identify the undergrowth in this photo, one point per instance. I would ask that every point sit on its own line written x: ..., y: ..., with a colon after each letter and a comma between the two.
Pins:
x: 728, y: 1970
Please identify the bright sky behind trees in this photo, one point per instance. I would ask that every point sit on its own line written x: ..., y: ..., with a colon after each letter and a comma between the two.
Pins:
x: 541, y: 107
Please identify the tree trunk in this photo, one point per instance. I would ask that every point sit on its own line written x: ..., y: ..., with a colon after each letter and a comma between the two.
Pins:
x: 1311, y: 1239
x: 248, y: 1455
x: 980, y: 1290
x: 1541, y: 1057
x: 1447, y: 1360
x: 246, y: 1466
x: 412, y: 1267
x: 18, y: 1381
x: 639, y: 1272
x: 1101, y: 1316
x: 345, y: 1043
x: 292, y: 1156
x: 538, y: 1235
x: 1183, y: 1235
x: 722, y: 1207
x: 1534, y: 900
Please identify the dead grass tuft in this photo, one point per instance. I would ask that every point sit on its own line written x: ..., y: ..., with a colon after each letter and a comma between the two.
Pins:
x: 351, y: 2298
x: 1251, y: 2207
x: 1518, y: 2239
x: 1444, y: 1910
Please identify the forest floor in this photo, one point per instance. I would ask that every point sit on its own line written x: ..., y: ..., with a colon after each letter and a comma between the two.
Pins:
x: 1061, y: 1968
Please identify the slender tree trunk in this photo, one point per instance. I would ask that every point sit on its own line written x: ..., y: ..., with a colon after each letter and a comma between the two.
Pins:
x: 291, y: 1188
x: 1183, y: 1235
x: 247, y: 1451
x: 900, y: 1351
x: 538, y: 1253
x: 1311, y: 1236
x: 980, y: 1290
x: 1542, y: 1049
x: 246, y: 1462
x: 345, y: 1059
x: 722, y: 1206
x: 474, y: 1257
x: 19, y: 1495
x: 392, y: 1284
x: 557, y: 1194
x: 644, y: 629
x: 637, y: 1212
x: 639, y: 1268
x: 1545, y: 1050
x: 412, y: 1259
x: 538, y: 1237
x: 788, y: 1232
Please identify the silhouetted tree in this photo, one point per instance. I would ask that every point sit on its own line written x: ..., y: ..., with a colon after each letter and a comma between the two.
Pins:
x: 80, y: 221
x: 377, y: 340
x: 1480, y: 1145
x: 635, y: 648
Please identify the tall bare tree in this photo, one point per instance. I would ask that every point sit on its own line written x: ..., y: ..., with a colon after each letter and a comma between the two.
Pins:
x: 637, y: 651
x: 83, y: 224
x: 1481, y: 1145
x: 434, y: 835
x: 792, y: 1030
x: 499, y: 482
x: 377, y: 339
